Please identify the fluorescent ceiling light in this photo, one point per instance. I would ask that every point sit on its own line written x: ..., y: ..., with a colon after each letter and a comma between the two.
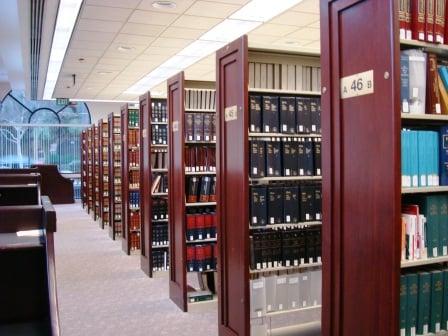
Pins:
x: 229, y: 30
x: 65, y: 22
x: 249, y: 17
x: 262, y: 10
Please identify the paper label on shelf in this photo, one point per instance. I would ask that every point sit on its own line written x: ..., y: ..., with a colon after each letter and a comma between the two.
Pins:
x: 200, y: 236
x: 318, y: 216
x: 438, y: 327
x: 287, y: 172
x: 175, y: 126
x: 300, y: 128
x: 254, y: 170
x: 423, y: 180
x: 271, y: 171
x: 301, y: 172
x: 445, y: 250
x: 288, y: 218
x: 284, y: 127
x: 270, y: 264
x: 280, y: 306
x: 421, y: 36
x: 307, y: 216
x: 252, y: 128
x: 266, y: 128
x: 258, y: 266
x: 313, y: 128
x: 357, y: 85
x: 402, y: 34
x: 304, y: 304
x: 281, y: 281
x: 263, y: 265
x: 430, y: 38
x: 293, y: 304
x: 415, y: 181
x: 288, y: 263
x: 438, y: 109
x: 254, y: 220
x: 271, y: 220
x: 415, y: 92
x: 434, y: 252
x: 296, y: 263
x: 294, y: 280
x: 259, y: 313
x: 231, y: 113
x: 269, y: 307
x: 425, y: 329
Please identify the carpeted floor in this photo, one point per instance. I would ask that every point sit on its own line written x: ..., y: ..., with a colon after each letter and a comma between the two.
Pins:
x: 102, y: 291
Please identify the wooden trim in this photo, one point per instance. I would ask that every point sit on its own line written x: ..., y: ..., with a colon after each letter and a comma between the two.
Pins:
x: 176, y: 197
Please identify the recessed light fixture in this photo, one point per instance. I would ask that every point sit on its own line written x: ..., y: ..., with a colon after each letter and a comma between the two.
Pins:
x: 292, y: 43
x: 104, y: 72
x: 164, y: 4
x: 81, y: 59
x: 124, y: 48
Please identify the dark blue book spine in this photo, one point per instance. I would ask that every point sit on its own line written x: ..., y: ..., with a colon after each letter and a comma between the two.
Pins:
x: 443, y: 155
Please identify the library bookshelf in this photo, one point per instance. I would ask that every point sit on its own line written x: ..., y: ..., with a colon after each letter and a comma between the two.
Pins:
x: 90, y: 162
x: 103, y: 127
x: 187, y: 99
x: 154, y: 219
x: 96, y: 172
x: 130, y: 178
x: 84, y: 168
x: 115, y: 167
x: 243, y: 283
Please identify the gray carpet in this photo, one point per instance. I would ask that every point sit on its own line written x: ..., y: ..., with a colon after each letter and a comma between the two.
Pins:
x: 102, y: 291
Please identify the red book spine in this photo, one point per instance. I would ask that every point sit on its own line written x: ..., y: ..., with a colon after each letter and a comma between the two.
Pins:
x: 200, y: 225
x: 429, y: 23
x: 408, y: 16
x: 418, y: 20
x: 439, y: 21
x: 402, y: 18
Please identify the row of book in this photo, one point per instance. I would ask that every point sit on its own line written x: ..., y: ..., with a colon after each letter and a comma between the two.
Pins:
x: 201, y: 225
x: 159, y: 159
x: 159, y: 134
x: 281, y: 76
x: 285, y: 114
x: 134, y: 158
x: 159, y: 111
x: 425, y: 227
x: 200, y: 127
x: 134, y: 240
x: 134, y: 179
x: 160, y: 234
x: 159, y: 209
x: 160, y: 260
x: 133, y: 137
x: 423, y: 20
x: 200, y: 159
x: 134, y: 200
x: 159, y: 183
x: 276, y: 293
x: 134, y: 221
x: 424, y: 302
x: 419, y: 158
x: 201, y: 189
x: 277, y: 204
x: 201, y: 258
x: 200, y: 99
x: 285, y: 157
x: 133, y: 118
x: 286, y: 247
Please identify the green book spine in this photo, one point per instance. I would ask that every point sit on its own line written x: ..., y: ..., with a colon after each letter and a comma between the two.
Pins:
x: 412, y: 301
x: 403, y: 304
x: 443, y: 225
x: 436, y: 301
x: 424, y: 303
x: 432, y: 216
x: 445, y: 300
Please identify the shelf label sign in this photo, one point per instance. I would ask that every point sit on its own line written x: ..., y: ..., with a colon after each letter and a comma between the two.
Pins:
x: 359, y: 84
x: 175, y: 126
x: 231, y: 113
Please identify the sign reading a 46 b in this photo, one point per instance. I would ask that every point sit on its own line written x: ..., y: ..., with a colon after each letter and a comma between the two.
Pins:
x: 357, y: 85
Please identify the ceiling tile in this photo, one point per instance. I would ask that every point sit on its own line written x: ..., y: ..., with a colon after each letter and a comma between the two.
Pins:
x: 161, y: 51
x: 109, y: 67
x: 181, y: 6
x: 171, y: 42
x: 105, y: 13
x: 152, y: 58
x: 305, y: 34
x: 85, y: 35
x: 85, y: 53
x: 187, y: 33
x: 134, y: 39
x: 142, y: 29
x: 114, y: 3
x: 261, y: 39
x: 308, y: 6
x: 195, y: 22
x: 155, y: 18
x: 98, y: 46
x: 273, y: 30
x: 314, y: 44
x: 235, y: 2
x: 99, y: 25
x: 315, y: 24
x: 295, y: 19
x: 113, y: 61
x: 212, y: 9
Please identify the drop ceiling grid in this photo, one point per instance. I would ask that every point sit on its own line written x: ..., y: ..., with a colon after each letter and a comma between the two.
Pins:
x: 127, y: 68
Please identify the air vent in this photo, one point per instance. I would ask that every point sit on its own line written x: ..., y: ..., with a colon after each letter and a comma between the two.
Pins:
x: 37, y: 14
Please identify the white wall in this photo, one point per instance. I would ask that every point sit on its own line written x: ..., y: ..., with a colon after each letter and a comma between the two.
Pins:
x: 99, y: 110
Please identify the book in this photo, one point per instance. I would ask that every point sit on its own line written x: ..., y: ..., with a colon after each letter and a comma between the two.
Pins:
x: 403, y: 304
x: 432, y: 88
x: 290, y: 202
x: 435, y: 321
x: 417, y: 80
x: 290, y: 157
x: 424, y: 300
x: 445, y: 301
x: 270, y: 114
x: 412, y: 303
x: 275, y: 205
x: 429, y: 22
x: 287, y: 115
x: 258, y: 206
x: 273, y: 157
x: 418, y: 19
x: 257, y: 159
x: 439, y: 21
x: 255, y: 114
x: 443, y: 141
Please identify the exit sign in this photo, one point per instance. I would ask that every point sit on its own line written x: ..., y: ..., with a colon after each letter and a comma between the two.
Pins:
x: 62, y: 101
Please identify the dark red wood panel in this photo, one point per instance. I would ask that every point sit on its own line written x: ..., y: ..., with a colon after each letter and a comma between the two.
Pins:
x: 145, y: 183
x: 361, y: 167
x: 232, y: 175
x: 111, y: 177
x: 176, y: 188
x: 101, y: 127
x: 125, y: 180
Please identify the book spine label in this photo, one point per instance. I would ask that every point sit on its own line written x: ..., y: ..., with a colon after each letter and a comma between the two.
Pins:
x: 418, y: 19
